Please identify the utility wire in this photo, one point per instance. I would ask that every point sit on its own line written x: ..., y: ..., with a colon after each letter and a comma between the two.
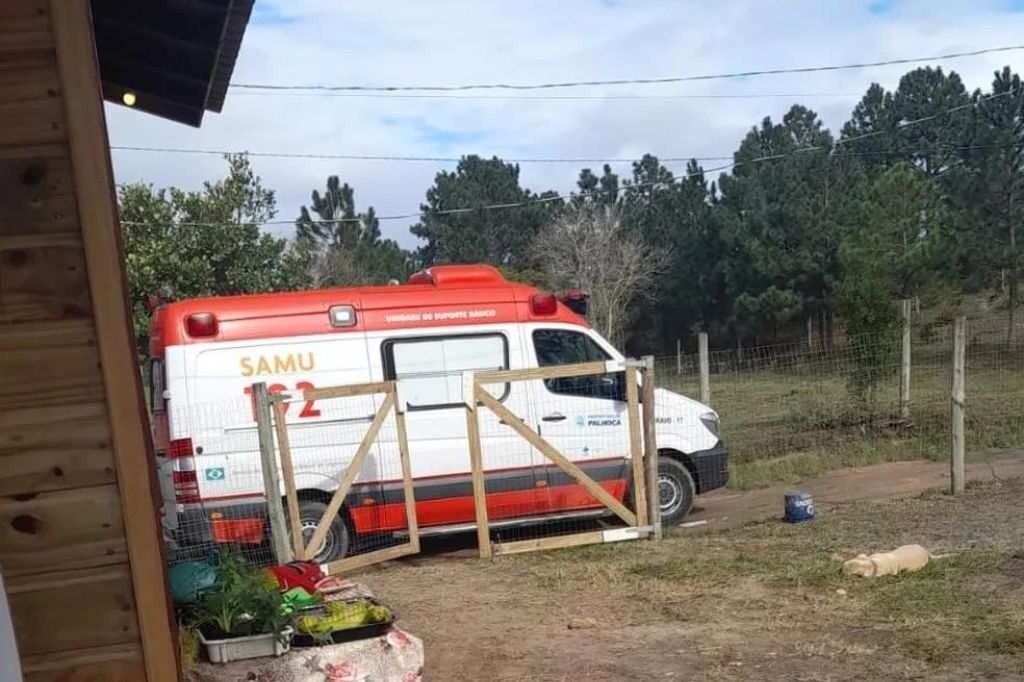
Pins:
x: 654, y: 184
x: 364, y: 157
x: 381, y: 95
x: 620, y: 81
x: 450, y: 159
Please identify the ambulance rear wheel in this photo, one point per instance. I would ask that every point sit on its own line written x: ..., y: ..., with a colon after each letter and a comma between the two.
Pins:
x: 336, y: 543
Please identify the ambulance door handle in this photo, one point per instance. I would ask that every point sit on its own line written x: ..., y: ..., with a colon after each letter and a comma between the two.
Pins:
x: 553, y: 417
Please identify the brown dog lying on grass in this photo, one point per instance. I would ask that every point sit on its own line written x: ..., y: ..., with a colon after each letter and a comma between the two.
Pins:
x: 905, y: 558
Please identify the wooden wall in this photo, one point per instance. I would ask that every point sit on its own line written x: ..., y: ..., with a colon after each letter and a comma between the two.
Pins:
x: 77, y: 509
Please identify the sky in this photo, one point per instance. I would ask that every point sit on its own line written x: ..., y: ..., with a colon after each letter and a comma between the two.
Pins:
x: 447, y: 42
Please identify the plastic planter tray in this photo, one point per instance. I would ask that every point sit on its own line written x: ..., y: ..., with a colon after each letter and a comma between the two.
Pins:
x: 241, y: 648
x: 368, y: 631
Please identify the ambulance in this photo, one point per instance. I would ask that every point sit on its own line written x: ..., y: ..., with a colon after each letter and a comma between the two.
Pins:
x: 206, y: 354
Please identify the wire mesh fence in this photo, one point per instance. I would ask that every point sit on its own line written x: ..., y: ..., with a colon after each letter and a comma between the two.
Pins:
x: 794, y: 410
x: 561, y: 456
x: 215, y: 494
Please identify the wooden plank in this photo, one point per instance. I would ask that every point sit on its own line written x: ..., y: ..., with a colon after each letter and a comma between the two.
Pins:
x: 345, y: 484
x: 291, y: 495
x: 411, y: 520
x: 476, y: 465
x: 37, y: 377
x: 27, y: 296
x: 72, y: 609
x: 344, y: 391
x: 101, y: 236
x: 352, y: 563
x: 636, y: 452
x: 651, y: 448
x: 55, y: 448
x: 47, y: 334
x: 37, y: 200
x: 563, y: 541
x: 114, y: 663
x: 62, y: 530
x: 33, y: 122
x: 24, y: 25
x: 545, y: 448
x: 279, y: 536
x: 553, y: 372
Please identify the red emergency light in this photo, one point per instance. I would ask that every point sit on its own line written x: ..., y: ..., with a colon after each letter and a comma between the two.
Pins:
x: 544, y: 303
x: 201, y: 324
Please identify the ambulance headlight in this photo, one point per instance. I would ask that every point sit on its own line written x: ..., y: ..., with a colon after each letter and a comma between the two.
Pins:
x: 343, y: 316
x: 710, y: 421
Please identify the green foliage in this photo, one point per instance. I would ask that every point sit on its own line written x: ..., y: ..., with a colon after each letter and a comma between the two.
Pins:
x: 497, y: 237
x: 247, y: 601
x: 341, y: 247
x: 203, y: 243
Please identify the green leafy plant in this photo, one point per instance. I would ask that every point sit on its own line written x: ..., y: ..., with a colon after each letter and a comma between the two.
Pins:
x: 246, y: 602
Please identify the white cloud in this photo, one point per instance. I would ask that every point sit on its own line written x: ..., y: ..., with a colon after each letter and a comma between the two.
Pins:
x: 368, y: 42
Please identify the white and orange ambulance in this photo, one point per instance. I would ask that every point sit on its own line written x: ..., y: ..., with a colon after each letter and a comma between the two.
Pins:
x: 207, y: 353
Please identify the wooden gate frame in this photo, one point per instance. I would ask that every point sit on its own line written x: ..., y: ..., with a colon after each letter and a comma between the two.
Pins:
x: 647, y: 510
x: 390, y: 404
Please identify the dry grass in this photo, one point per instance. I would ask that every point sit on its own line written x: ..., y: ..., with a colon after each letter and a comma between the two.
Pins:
x: 763, y: 601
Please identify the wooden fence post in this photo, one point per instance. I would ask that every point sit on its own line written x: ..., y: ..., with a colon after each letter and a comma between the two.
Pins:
x: 956, y: 455
x: 651, y: 448
x: 705, y: 368
x: 271, y: 479
x: 476, y: 465
x: 636, y: 452
x: 905, y: 363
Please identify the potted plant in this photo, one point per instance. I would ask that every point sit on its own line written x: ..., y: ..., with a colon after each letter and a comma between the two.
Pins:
x: 244, y: 617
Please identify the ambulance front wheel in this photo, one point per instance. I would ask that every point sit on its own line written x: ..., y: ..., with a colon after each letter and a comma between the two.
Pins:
x: 335, y: 544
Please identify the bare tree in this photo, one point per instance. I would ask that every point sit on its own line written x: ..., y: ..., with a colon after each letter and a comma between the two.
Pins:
x: 587, y: 248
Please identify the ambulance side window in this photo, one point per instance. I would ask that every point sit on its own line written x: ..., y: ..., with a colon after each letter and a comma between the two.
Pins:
x: 429, y: 369
x: 564, y: 347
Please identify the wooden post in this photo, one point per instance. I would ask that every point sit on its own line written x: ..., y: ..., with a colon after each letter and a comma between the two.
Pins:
x: 956, y: 455
x: 705, y: 368
x: 636, y: 452
x: 679, y: 357
x: 271, y: 480
x: 905, y: 364
x: 476, y: 465
x: 411, y: 520
x: 651, y: 449
x: 291, y: 495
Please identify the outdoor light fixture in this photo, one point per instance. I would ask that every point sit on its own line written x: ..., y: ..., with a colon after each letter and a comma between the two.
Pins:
x: 128, y: 98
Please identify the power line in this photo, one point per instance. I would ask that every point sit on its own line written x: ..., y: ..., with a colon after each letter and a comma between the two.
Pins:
x: 621, y: 81
x: 673, y: 180
x: 581, y: 195
x: 366, y: 157
x: 382, y: 95
x: 551, y: 160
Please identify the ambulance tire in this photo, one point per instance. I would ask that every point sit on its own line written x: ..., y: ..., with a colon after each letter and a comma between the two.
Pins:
x: 336, y: 543
x: 676, y: 490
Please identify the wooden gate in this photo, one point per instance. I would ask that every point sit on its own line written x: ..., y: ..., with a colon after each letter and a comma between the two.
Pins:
x: 391, y: 405
x: 642, y: 521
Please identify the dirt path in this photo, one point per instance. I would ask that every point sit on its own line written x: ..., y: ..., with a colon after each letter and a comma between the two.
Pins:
x: 883, y: 481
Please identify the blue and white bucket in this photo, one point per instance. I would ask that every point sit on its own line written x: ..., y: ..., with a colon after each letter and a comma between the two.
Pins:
x: 799, y: 506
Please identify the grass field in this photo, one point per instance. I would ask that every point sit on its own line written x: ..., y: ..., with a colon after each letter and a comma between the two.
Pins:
x: 762, y: 601
x: 785, y: 420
